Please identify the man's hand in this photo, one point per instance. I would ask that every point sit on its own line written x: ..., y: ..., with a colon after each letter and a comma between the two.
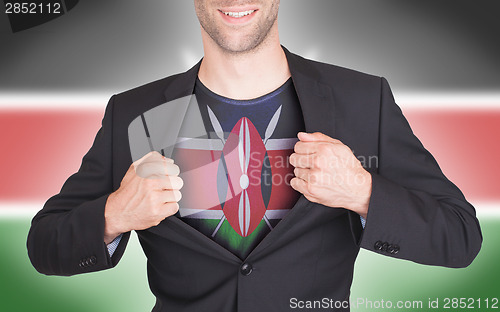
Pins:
x: 327, y: 172
x: 148, y: 193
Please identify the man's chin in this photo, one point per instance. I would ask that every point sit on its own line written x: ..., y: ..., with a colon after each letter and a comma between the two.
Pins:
x: 241, y: 46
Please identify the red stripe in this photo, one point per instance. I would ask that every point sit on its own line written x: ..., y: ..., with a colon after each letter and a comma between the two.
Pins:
x: 466, y: 146
x: 40, y: 149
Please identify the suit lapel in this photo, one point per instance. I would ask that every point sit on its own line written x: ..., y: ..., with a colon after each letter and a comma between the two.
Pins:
x: 158, y: 128
x: 183, y: 84
x: 315, y: 97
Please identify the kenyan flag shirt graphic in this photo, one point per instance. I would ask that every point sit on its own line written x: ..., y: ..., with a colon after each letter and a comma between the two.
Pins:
x: 241, y: 189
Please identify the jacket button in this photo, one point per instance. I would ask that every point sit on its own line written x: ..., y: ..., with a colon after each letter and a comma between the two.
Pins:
x: 93, y: 260
x: 384, y: 246
x: 395, y: 249
x: 378, y: 245
x: 246, y: 269
x: 390, y: 249
x: 82, y: 263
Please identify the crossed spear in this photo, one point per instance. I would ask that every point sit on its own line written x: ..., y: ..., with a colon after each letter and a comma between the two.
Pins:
x: 220, y: 134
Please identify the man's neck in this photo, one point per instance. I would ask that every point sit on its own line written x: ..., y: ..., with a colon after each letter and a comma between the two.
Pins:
x: 246, y: 75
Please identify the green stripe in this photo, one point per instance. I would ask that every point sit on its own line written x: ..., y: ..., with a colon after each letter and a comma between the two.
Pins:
x: 125, y: 288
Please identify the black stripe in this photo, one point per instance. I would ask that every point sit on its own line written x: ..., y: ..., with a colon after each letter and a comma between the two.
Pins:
x: 145, y: 125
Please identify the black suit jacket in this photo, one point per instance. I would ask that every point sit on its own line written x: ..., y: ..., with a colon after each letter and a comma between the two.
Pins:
x: 415, y: 212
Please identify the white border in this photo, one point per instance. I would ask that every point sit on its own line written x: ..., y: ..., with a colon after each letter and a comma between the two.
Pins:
x: 407, y: 100
x: 59, y: 101
x: 29, y: 209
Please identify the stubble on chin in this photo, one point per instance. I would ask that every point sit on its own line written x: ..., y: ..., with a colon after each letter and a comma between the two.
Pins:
x: 246, y: 44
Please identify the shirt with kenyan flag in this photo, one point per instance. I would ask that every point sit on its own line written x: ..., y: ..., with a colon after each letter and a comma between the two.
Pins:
x: 241, y: 189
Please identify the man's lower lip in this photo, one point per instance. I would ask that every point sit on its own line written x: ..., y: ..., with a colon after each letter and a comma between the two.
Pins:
x: 237, y: 20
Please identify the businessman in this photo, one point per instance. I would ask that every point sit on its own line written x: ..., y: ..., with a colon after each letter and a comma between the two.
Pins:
x: 276, y: 197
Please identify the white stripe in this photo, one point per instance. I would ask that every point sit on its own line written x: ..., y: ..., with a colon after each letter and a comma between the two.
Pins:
x: 20, y: 209
x: 240, y: 146
x: 204, y: 144
x: 29, y: 209
x: 487, y: 209
x: 247, y: 146
x: 59, y: 101
x: 248, y: 212
x: 277, y: 213
x: 199, y: 144
x: 241, y: 208
x: 98, y: 100
x: 217, y: 214
x: 200, y: 213
x: 280, y: 144
x: 448, y: 100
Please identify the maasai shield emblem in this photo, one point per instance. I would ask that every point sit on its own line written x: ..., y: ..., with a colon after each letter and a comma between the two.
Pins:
x: 243, y: 154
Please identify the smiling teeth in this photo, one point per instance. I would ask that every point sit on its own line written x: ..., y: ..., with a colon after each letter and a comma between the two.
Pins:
x: 239, y: 14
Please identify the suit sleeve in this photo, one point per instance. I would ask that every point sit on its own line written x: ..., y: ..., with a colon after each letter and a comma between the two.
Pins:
x: 415, y: 212
x: 67, y: 236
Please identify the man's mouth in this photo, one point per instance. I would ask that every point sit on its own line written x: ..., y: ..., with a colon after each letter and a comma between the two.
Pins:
x: 239, y: 14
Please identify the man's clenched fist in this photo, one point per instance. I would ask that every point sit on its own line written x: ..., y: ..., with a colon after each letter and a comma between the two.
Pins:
x: 327, y: 172
x: 148, y: 193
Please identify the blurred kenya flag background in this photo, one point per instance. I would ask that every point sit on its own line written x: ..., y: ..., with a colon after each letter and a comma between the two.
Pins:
x: 440, y: 57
